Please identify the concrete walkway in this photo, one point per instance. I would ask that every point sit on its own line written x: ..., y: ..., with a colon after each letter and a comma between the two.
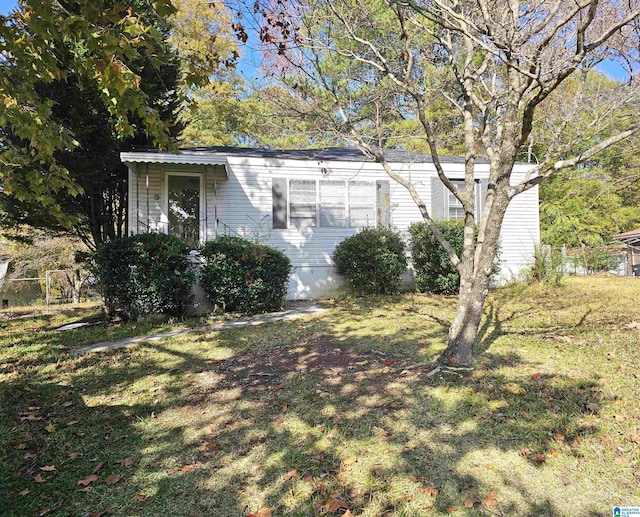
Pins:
x: 298, y: 310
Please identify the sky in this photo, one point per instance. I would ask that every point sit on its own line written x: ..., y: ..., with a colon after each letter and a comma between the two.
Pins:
x: 7, y: 5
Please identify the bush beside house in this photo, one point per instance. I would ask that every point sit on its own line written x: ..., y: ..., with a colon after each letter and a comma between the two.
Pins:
x: 372, y: 261
x: 149, y: 273
x: 239, y: 275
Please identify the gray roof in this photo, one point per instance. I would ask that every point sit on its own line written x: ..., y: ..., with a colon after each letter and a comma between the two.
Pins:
x: 348, y: 154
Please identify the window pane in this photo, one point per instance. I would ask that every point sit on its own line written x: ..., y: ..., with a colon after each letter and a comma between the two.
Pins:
x: 453, y: 200
x: 332, y: 201
x: 302, y: 200
x: 456, y: 212
x: 362, y: 217
x: 362, y: 204
x: 184, y: 208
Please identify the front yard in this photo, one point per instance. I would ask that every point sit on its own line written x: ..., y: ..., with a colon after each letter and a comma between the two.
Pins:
x: 332, y: 414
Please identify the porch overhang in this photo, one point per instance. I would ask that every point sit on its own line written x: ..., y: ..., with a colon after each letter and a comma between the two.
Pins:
x: 133, y: 158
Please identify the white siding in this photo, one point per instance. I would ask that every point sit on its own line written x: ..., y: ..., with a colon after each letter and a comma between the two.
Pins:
x: 242, y: 205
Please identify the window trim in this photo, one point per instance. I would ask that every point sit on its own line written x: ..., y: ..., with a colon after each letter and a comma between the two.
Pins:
x: 202, y: 230
x: 476, y: 187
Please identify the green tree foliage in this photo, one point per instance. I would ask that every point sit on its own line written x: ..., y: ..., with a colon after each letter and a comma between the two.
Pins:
x: 589, y: 204
x: 91, y: 44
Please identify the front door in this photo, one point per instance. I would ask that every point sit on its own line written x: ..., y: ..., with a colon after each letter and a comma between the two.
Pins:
x: 184, y: 207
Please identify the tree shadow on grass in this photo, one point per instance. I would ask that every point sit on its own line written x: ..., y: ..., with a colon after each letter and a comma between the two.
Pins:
x: 304, y: 418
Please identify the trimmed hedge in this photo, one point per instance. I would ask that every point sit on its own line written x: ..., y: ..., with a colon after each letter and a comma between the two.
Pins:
x: 372, y: 261
x: 239, y: 275
x: 143, y: 274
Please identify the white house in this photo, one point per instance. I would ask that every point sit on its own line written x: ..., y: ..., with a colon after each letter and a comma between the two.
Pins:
x: 305, y: 202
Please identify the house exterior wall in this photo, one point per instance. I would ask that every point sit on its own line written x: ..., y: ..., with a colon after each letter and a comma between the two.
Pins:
x: 241, y: 204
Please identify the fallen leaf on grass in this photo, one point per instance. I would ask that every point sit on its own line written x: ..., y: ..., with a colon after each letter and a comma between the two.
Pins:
x: 112, y: 479
x: 452, y: 509
x: 44, y: 512
x: 48, y: 468
x: 87, y: 480
x: 86, y: 489
x: 592, y: 406
x: 185, y: 468
x: 26, y: 491
x: 491, y: 499
x: 539, y: 458
x: 429, y: 491
x: 98, y: 468
x: 558, y: 437
x: 39, y: 479
x: 381, y: 432
x: 633, y: 438
x: 139, y: 497
x: 264, y: 512
x: 156, y: 464
x: 73, y: 422
x: 31, y: 417
x: 293, y: 473
x: 470, y: 501
x: 347, y: 514
x: 349, y: 460
x: 73, y: 455
x: 333, y: 504
x: 22, y: 446
x: 126, y: 462
x: 51, y: 428
x: 209, y: 446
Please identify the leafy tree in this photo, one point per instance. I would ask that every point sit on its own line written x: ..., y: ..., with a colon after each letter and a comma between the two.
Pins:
x: 90, y: 44
x: 365, y: 65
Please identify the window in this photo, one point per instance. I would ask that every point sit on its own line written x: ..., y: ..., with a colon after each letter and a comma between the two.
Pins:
x: 332, y: 204
x: 302, y: 203
x: 183, y: 207
x: 329, y: 203
x: 362, y: 206
x: 456, y: 211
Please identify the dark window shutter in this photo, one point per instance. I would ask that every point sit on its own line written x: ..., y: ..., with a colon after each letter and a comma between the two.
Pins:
x: 383, y: 202
x: 279, y: 193
x: 438, y: 196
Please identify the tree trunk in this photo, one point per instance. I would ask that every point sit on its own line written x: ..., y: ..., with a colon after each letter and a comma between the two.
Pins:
x: 464, y: 329
x: 76, y: 286
x: 475, y: 275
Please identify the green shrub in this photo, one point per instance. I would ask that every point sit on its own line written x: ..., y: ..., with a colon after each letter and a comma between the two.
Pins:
x: 595, y: 259
x: 372, y: 261
x: 240, y: 275
x: 547, y: 266
x: 143, y: 274
x: 434, y: 271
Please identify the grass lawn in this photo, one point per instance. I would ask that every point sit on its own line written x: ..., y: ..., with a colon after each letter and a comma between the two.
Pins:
x: 333, y: 414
